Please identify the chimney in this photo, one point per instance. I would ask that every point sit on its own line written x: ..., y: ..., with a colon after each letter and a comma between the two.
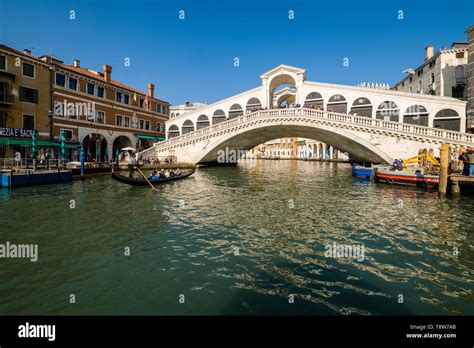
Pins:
x: 469, y: 89
x: 151, y: 90
x: 27, y: 52
x: 429, y: 50
x: 76, y: 63
x: 107, y: 72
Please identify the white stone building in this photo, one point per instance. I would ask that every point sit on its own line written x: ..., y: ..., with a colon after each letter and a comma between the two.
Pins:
x: 443, y: 74
x: 177, y: 110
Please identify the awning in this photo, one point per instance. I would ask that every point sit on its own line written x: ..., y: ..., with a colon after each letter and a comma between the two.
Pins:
x: 9, y: 141
x: 149, y: 137
x: 39, y: 142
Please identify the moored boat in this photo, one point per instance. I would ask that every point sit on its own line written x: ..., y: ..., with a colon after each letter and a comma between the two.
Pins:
x: 417, y: 177
x: 361, y: 172
x: 142, y: 182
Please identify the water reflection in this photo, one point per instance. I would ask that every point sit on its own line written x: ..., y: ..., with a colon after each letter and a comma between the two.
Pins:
x: 238, y: 245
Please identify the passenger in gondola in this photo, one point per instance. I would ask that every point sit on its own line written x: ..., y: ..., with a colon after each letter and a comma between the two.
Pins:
x: 178, y: 172
x: 154, y: 175
x: 167, y: 173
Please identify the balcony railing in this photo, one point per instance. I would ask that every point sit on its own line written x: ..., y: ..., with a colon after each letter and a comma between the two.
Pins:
x: 7, y: 98
x: 460, y: 80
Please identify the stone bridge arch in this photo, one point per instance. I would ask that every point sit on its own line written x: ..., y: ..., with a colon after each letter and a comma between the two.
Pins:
x: 247, y: 138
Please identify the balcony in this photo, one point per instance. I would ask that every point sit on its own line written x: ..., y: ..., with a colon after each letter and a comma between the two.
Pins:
x: 7, y: 98
x: 460, y: 80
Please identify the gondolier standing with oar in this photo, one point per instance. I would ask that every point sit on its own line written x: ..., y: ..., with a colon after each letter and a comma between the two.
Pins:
x: 131, y: 164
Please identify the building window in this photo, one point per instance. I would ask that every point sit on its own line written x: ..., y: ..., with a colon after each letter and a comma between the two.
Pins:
x: 3, y: 63
x: 60, y: 79
x: 164, y: 110
x: 3, y: 119
x: 160, y: 127
x: 100, y: 92
x: 142, y: 124
x: 73, y: 111
x: 432, y: 78
x: 142, y: 102
x: 28, y: 122
x: 126, y: 99
x: 67, y: 133
x: 118, y: 120
x: 28, y: 95
x: 90, y: 88
x: 73, y: 83
x: 459, y: 54
x: 147, y: 125
x: 28, y: 70
x: 100, y: 117
x: 126, y: 121
x: 158, y: 107
x: 118, y: 97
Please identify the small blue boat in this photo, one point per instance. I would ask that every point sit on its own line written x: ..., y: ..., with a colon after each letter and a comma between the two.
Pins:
x: 361, y: 172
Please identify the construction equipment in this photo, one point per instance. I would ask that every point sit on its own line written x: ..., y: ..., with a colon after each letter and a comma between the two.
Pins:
x: 417, y: 159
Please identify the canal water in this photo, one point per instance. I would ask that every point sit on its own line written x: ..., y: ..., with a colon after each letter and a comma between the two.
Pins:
x: 250, y: 239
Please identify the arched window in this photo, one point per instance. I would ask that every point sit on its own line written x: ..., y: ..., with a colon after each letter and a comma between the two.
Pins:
x: 459, y: 72
x: 173, y: 131
x: 314, y: 100
x: 202, y: 122
x: 447, y: 119
x: 362, y: 107
x: 337, y: 103
x: 416, y: 114
x: 218, y: 116
x: 235, y: 111
x: 253, y: 105
x: 188, y: 127
x: 388, y: 111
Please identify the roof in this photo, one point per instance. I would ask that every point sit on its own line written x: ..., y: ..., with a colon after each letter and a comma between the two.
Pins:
x: 20, y: 53
x: 283, y: 67
x: 100, y: 76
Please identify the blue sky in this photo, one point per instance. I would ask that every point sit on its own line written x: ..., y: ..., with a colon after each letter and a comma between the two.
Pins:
x: 193, y: 59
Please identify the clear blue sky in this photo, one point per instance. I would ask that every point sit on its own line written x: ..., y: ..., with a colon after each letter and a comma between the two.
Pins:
x: 193, y: 59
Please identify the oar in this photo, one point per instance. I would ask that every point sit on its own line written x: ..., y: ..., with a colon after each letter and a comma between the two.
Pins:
x: 148, y: 181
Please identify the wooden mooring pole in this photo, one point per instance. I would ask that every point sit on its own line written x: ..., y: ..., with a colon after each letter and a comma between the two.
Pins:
x: 443, y: 170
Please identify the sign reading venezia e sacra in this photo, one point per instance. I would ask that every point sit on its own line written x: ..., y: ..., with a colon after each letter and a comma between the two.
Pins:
x: 16, y: 132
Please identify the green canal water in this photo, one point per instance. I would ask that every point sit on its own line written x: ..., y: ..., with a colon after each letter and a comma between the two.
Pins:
x: 238, y: 240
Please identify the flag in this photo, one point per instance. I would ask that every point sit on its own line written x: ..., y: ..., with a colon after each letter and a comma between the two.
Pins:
x: 135, y: 97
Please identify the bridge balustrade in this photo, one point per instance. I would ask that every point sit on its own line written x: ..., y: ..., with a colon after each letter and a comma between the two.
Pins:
x: 320, y: 114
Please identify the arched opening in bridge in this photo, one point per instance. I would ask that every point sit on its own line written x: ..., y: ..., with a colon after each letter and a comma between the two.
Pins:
x: 95, y: 147
x: 253, y: 105
x: 388, y: 111
x: 416, y: 114
x: 188, y: 127
x: 235, y: 111
x: 173, y: 131
x: 285, y: 100
x: 337, y: 103
x: 362, y: 107
x: 447, y: 119
x: 202, y: 122
x: 279, y: 86
x: 314, y: 100
x: 218, y: 116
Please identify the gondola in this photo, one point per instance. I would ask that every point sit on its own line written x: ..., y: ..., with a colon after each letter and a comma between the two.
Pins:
x: 143, y: 182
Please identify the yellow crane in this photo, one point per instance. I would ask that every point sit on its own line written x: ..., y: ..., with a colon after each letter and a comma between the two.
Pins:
x: 416, y: 159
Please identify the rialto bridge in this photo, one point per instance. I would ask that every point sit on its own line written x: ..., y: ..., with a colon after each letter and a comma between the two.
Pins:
x: 375, y: 125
